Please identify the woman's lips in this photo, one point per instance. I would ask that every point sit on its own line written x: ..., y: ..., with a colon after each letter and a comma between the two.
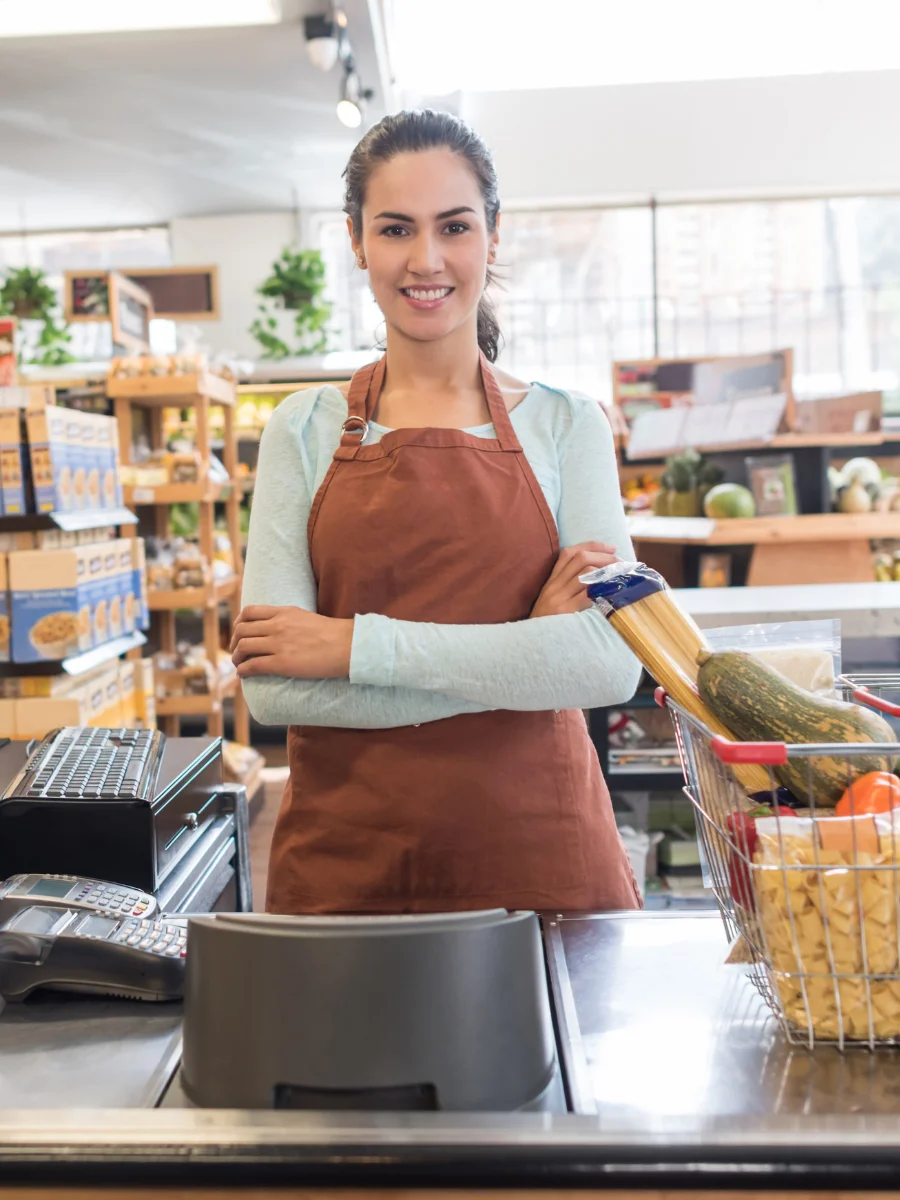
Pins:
x: 426, y: 298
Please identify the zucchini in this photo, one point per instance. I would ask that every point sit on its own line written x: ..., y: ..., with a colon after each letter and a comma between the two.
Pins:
x: 760, y: 705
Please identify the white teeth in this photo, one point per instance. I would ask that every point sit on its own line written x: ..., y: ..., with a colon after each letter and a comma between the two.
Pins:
x: 429, y: 294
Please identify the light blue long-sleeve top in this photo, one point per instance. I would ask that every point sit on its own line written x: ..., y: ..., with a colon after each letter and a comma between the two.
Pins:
x: 410, y: 672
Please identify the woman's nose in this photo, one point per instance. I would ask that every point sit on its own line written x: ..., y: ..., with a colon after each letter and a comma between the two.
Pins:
x: 425, y: 256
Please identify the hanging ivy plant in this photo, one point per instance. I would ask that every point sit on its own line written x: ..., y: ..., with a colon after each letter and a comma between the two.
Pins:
x: 297, y: 284
x: 26, y: 295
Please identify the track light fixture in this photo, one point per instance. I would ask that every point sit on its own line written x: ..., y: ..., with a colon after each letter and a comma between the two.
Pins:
x: 327, y: 44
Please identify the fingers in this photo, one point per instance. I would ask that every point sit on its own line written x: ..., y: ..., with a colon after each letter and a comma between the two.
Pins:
x: 253, y: 647
x: 268, y: 664
x: 260, y: 627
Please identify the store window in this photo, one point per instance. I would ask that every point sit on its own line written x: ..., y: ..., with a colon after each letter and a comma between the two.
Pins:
x: 577, y: 289
x: 55, y: 253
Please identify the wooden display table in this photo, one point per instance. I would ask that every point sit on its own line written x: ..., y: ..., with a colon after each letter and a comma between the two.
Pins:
x: 820, y: 548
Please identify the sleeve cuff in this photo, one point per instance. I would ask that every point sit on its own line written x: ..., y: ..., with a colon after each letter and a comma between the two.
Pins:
x: 373, y: 650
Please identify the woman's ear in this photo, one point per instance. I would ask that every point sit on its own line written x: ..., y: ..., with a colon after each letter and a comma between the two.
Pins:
x: 494, y: 242
x: 356, y: 245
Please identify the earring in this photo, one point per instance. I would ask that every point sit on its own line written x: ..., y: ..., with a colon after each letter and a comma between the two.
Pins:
x: 360, y: 262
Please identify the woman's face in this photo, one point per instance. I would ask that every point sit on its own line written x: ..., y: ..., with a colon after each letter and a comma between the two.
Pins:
x: 425, y: 242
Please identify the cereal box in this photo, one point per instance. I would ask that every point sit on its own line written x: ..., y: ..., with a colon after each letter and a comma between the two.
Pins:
x: 50, y: 604
x: 36, y: 717
x: 144, y: 695
x: 51, y: 460
x: 12, y: 462
x: 127, y: 679
x: 125, y: 551
x: 4, y: 609
x: 139, y: 577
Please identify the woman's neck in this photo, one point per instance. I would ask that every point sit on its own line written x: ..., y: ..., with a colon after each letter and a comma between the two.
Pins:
x: 436, y: 368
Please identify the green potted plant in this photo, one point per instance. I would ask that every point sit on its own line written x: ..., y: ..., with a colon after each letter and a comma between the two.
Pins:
x: 296, y: 286
x: 26, y: 295
x: 682, y: 497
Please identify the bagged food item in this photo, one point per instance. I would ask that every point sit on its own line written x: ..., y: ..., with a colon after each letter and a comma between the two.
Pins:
x: 808, y: 653
x: 827, y: 920
x: 641, y: 608
x: 761, y: 705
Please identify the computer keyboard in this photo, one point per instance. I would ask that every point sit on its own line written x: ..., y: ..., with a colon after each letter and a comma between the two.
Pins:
x: 82, y: 763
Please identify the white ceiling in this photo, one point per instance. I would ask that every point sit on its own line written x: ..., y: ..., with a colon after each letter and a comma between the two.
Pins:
x: 128, y: 129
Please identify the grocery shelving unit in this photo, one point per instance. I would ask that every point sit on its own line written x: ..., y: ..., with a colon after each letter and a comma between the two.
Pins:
x: 199, y: 391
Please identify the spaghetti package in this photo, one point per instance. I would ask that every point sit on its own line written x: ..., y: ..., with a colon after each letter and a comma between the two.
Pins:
x: 639, y: 605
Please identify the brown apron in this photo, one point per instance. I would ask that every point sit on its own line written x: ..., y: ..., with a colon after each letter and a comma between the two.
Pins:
x: 480, y: 810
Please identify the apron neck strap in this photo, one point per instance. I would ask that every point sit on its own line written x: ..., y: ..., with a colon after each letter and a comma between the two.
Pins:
x: 365, y: 387
x: 506, y: 435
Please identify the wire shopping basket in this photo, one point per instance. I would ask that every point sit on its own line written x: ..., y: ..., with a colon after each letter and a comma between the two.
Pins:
x: 816, y: 903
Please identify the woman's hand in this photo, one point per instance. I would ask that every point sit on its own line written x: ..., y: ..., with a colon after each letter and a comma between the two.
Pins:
x: 562, y: 593
x: 290, y: 642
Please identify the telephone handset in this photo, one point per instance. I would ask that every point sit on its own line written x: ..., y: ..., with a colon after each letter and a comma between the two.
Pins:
x: 77, y: 951
x: 75, y: 893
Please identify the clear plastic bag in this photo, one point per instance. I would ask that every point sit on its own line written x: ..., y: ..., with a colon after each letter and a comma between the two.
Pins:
x: 808, y: 653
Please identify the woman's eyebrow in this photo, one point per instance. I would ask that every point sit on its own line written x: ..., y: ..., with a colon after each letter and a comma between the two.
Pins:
x: 443, y: 216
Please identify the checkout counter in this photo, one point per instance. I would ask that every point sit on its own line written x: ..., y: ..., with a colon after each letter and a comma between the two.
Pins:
x: 674, y: 1076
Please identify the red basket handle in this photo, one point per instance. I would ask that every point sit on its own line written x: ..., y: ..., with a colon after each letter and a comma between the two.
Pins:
x: 862, y: 695
x: 763, y: 754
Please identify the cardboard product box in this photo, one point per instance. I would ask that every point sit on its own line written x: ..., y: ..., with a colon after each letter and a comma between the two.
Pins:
x: 50, y: 604
x: 4, y: 608
x: 110, y: 714
x: 856, y: 413
x: 17, y: 541
x: 110, y: 475
x: 8, y: 367
x: 111, y: 589
x: 35, y: 717
x: 128, y: 670
x: 52, y: 467
x: 8, y: 718
x: 13, y: 473
x: 144, y: 694
x: 95, y: 557
x: 139, y: 577
x: 32, y: 686
x: 125, y: 551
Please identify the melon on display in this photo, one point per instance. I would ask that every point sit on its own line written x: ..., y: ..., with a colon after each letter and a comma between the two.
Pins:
x: 727, y: 500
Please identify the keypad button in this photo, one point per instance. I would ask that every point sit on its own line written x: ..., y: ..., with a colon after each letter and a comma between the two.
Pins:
x: 159, y: 947
x: 146, y: 943
x: 133, y: 940
x: 172, y: 951
x: 183, y: 954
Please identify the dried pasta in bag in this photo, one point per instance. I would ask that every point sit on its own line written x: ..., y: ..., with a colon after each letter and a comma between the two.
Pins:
x: 639, y: 605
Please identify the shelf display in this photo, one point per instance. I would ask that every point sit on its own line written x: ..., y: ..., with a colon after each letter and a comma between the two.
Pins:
x: 202, y: 570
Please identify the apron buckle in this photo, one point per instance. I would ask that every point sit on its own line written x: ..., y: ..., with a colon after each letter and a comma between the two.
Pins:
x: 356, y: 425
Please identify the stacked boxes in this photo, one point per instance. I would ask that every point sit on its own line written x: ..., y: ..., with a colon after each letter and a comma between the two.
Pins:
x: 4, y: 608
x: 74, y: 459
x: 51, y: 603
x: 67, y: 600
x: 115, y: 695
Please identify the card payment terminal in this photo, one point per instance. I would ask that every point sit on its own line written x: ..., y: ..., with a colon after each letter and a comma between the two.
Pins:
x: 77, y: 951
x: 75, y: 893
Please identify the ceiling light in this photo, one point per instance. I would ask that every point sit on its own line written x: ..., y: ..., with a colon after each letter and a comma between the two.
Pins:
x: 322, y: 41
x: 352, y: 104
x: 47, y: 18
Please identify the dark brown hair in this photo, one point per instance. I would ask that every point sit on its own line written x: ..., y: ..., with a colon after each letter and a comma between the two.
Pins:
x: 425, y: 129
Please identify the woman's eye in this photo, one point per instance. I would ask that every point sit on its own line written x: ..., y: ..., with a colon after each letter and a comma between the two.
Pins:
x: 456, y: 227
x: 393, y: 230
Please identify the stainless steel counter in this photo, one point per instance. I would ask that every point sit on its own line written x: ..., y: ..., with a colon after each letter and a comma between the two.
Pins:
x: 675, y: 1065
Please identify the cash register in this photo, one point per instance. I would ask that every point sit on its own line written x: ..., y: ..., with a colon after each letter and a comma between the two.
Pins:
x: 121, y: 804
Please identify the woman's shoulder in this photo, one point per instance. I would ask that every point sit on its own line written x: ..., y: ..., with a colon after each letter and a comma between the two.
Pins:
x: 563, y: 410
x: 322, y: 405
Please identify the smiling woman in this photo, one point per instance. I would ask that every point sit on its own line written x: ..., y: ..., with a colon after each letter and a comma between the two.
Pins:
x: 409, y: 609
